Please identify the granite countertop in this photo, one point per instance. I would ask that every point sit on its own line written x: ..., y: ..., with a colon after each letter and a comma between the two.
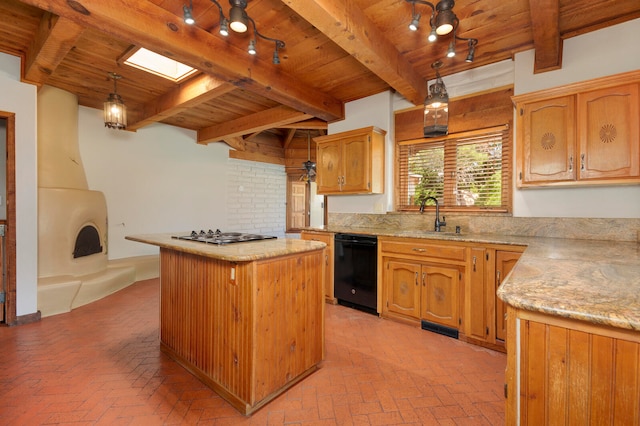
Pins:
x: 236, y: 252
x: 588, y: 280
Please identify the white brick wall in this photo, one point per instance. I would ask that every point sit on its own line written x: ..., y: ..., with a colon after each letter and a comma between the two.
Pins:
x: 256, y: 197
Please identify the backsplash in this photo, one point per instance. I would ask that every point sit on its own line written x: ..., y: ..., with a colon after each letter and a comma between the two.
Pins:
x: 552, y: 227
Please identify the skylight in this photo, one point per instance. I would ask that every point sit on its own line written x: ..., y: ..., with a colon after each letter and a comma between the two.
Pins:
x: 153, y: 63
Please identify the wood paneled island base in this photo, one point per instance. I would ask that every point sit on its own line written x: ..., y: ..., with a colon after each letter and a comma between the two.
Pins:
x: 247, y: 329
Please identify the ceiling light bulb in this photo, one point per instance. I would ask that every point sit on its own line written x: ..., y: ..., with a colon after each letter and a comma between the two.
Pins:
x: 451, y: 52
x: 188, y: 17
x: 433, y: 36
x: 415, y: 23
x: 444, y: 29
x: 252, y: 47
x: 224, y: 28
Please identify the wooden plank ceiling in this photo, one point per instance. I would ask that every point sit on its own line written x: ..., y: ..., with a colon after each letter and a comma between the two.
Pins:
x: 335, y: 51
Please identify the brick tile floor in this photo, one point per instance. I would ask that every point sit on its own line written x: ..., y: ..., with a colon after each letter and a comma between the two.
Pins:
x: 101, y: 365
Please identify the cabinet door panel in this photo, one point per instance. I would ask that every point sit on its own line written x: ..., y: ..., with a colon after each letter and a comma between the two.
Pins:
x: 476, y: 323
x: 608, y: 132
x: 356, y: 164
x: 328, y: 166
x: 549, y: 140
x: 440, y: 295
x: 403, y: 287
x: 505, y: 261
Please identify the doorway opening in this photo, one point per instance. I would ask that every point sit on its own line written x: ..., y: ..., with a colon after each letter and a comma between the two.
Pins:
x: 7, y: 219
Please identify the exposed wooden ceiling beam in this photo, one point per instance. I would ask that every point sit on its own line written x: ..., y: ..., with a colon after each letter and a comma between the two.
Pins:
x: 146, y: 24
x: 312, y: 124
x: 347, y: 26
x: 55, y: 38
x: 189, y: 94
x: 287, y: 140
x: 257, y: 122
x: 545, y: 22
x: 236, y: 142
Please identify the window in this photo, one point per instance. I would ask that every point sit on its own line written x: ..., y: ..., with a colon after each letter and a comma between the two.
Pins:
x: 469, y: 171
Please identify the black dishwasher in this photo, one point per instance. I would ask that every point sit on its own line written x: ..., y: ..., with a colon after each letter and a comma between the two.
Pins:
x: 355, y: 271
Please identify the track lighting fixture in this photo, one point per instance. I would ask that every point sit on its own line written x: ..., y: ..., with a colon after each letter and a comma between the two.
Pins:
x: 238, y: 22
x: 442, y: 21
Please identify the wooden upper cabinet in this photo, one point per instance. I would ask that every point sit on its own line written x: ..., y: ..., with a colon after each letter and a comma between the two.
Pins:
x: 609, y: 129
x: 549, y: 140
x: 582, y: 134
x: 351, y: 162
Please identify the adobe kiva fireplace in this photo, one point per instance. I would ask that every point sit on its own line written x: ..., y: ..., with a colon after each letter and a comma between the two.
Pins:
x: 73, y: 266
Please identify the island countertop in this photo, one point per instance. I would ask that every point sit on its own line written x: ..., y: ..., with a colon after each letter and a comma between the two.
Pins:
x: 589, y: 280
x: 236, y: 252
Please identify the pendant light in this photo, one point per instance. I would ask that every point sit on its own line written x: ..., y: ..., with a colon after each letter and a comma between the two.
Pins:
x: 115, y: 111
x: 309, y: 166
x: 436, y: 107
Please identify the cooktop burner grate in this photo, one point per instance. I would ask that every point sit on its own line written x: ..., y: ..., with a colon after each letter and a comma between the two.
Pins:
x: 219, y: 237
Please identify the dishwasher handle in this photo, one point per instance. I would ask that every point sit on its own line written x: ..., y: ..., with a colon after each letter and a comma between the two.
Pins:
x: 363, y: 240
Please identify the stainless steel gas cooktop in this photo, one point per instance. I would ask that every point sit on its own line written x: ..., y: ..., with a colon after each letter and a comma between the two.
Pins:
x: 219, y: 237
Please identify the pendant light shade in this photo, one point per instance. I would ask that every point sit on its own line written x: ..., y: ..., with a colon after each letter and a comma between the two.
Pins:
x: 436, y: 107
x: 115, y: 111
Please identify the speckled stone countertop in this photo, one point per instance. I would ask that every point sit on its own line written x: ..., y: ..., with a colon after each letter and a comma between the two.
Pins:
x: 588, y: 280
x: 236, y: 252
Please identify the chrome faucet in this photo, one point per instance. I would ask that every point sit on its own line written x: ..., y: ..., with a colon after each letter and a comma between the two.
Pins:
x: 438, y: 223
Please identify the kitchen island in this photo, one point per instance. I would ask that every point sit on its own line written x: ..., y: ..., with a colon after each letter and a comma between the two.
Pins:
x: 247, y: 319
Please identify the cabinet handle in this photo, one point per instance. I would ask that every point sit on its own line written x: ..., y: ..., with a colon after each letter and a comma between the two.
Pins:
x: 416, y: 278
x: 582, y: 162
x: 498, y: 274
x: 326, y: 259
x: 571, y: 163
x: 424, y: 282
x: 420, y: 250
x: 474, y: 264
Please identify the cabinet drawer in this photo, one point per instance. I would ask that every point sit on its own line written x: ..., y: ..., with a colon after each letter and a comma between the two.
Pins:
x: 418, y: 248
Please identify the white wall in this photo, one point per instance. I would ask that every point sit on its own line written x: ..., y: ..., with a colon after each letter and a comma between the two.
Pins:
x: 157, y: 179
x: 605, y: 52
x: 20, y: 99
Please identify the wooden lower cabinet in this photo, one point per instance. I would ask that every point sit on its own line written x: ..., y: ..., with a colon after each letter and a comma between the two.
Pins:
x: 563, y: 371
x: 328, y: 239
x: 419, y: 283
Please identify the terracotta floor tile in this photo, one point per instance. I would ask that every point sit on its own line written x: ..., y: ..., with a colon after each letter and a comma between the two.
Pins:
x: 101, y: 365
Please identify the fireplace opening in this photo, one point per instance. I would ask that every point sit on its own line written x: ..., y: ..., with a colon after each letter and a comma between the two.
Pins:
x: 87, y: 242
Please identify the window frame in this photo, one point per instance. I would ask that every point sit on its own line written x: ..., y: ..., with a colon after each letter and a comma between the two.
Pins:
x: 450, y: 144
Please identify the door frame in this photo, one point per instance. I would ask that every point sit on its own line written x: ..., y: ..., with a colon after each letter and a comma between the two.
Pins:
x: 10, y: 227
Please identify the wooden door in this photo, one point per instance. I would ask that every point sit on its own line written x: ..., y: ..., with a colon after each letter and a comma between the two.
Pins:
x: 476, y: 320
x: 549, y: 140
x: 328, y: 166
x: 297, y: 206
x: 402, y: 280
x: 439, y: 302
x: 357, y: 174
x: 609, y: 130
x: 505, y: 261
